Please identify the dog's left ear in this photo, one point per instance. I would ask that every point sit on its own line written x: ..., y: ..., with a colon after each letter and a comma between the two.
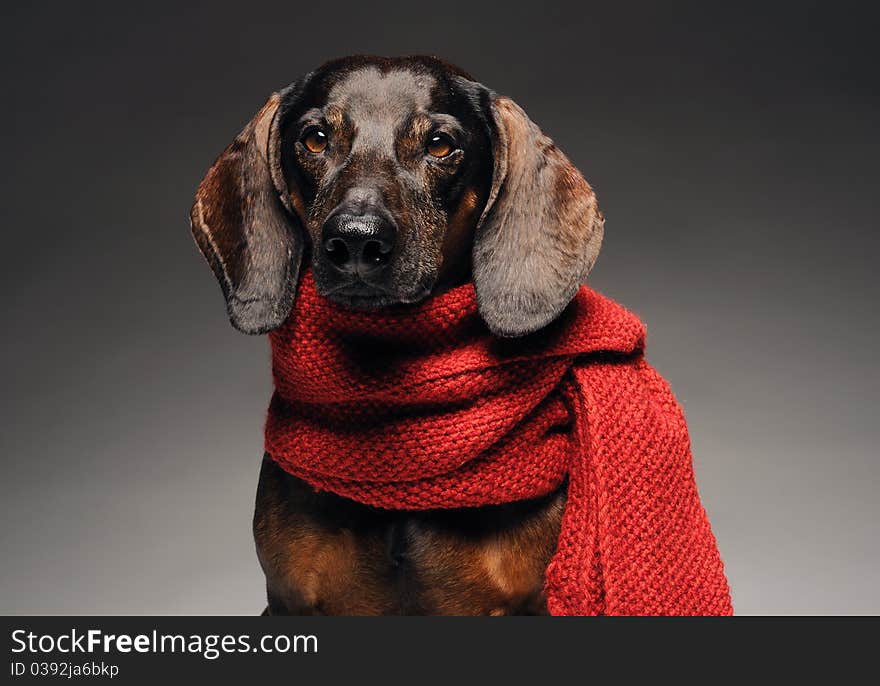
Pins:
x: 540, y: 231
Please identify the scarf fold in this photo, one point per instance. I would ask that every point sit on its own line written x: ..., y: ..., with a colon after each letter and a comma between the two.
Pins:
x: 422, y: 408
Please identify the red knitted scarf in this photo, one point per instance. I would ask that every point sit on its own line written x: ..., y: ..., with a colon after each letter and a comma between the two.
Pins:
x: 423, y: 408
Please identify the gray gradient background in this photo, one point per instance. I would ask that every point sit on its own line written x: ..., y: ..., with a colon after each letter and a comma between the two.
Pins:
x: 735, y: 156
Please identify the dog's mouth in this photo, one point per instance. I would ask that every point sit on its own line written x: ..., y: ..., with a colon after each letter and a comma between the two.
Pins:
x: 358, y: 294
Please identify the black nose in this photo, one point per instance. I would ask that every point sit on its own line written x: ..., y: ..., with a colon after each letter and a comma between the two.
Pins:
x: 358, y: 243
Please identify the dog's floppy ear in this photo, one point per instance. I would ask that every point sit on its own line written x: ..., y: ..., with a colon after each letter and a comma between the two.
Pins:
x: 540, y: 232
x: 247, y: 233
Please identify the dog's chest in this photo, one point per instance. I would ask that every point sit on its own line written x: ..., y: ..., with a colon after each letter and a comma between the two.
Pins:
x: 326, y: 555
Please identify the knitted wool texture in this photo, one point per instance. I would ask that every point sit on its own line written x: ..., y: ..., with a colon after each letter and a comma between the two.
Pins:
x: 422, y: 408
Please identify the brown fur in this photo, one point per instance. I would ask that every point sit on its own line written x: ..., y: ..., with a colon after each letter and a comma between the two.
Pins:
x: 323, y: 554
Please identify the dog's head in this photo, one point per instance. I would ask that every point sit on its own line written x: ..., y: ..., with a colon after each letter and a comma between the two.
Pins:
x: 396, y: 177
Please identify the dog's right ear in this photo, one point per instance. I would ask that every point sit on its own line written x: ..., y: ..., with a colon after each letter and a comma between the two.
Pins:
x: 245, y: 226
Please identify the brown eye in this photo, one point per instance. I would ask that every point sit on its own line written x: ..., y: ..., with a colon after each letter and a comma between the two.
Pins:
x: 315, y: 140
x: 440, y: 145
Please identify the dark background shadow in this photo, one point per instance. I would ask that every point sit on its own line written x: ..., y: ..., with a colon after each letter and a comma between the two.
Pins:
x: 734, y: 152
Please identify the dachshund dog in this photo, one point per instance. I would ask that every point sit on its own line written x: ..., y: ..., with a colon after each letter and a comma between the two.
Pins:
x: 396, y: 179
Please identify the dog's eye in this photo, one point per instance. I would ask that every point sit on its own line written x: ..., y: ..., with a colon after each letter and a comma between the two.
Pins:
x: 315, y: 140
x: 440, y: 145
